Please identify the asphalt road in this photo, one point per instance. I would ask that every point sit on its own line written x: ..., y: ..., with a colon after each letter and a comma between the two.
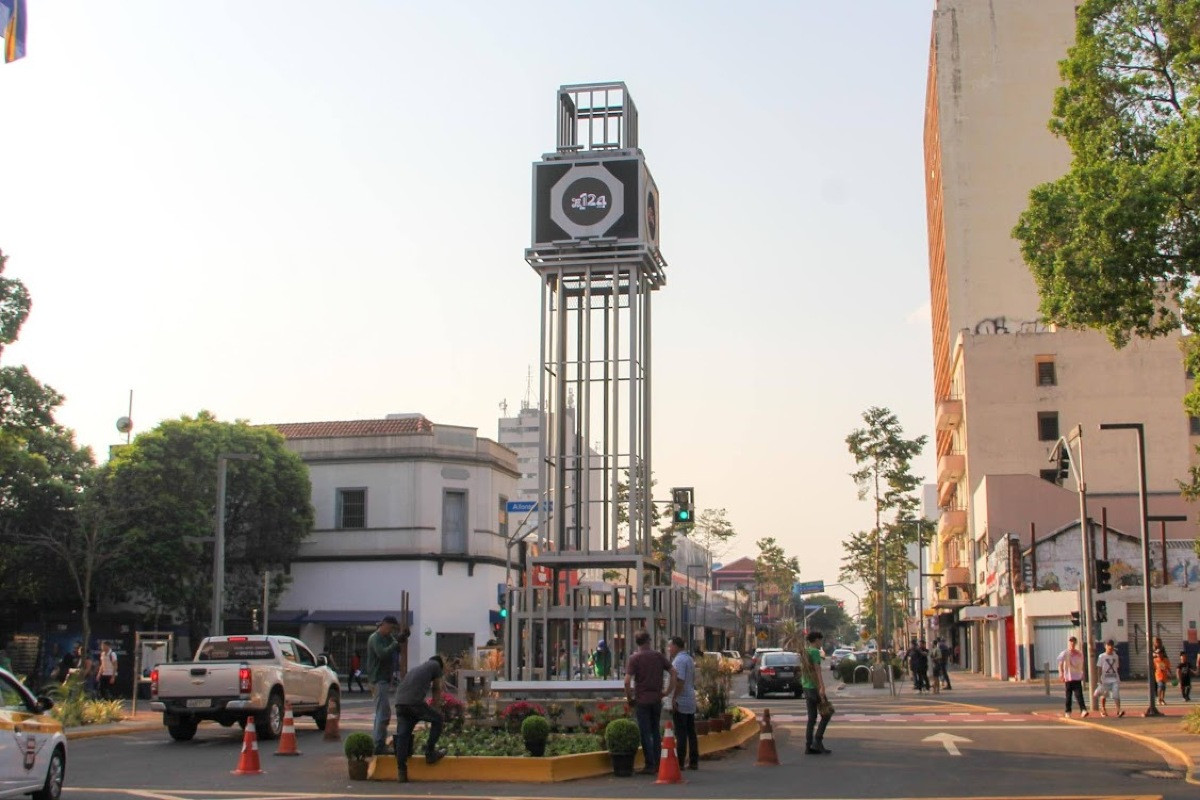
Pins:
x: 978, y: 741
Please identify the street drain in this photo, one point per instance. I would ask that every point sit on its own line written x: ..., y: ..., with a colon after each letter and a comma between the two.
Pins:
x: 1164, y: 774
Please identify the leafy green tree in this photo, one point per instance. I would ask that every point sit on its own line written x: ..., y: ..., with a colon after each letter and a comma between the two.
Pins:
x: 831, y: 620
x: 161, y: 500
x: 41, y: 469
x: 885, y: 478
x: 774, y: 573
x: 1114, y: 244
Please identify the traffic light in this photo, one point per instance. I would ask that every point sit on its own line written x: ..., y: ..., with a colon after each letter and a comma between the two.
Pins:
x: 1074, y: 619
x: 1103, y: 575
x: 1101, y: 611
x: 1064, y: 465
x: 682, y: 506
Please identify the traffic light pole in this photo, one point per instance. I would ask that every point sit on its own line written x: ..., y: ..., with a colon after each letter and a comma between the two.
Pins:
x: 1088, y: 562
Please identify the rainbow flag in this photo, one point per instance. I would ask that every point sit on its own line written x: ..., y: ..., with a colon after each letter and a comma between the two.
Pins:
x: 12, y: 26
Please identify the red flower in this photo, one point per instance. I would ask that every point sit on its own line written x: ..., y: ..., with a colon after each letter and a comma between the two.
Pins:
x: 601, y: 706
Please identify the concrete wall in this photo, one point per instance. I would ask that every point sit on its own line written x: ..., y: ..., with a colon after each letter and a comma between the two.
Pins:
x: 997, y: 72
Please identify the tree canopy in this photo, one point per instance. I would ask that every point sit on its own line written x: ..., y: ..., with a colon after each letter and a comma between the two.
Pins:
x: 41, y: 469
x: 1114, y: 244
x: 161, y: 500
x: 884, y: 477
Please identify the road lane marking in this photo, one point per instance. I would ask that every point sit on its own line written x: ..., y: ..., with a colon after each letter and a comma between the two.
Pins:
x: 260, y: 795
x: 949, y: 740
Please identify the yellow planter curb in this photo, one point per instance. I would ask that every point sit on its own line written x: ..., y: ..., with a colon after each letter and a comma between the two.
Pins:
x: 506, y: 769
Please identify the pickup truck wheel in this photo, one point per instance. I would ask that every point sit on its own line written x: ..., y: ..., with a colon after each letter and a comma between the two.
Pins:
x: 332, y: 702
x: 184, y: 730
x: 269, y: 724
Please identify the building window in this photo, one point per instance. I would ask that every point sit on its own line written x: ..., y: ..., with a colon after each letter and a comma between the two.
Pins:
x: 1194, y: 426
x: 1045, y: 372
x: 1047, y: 426
x: 1050, y: 475
x: 352, y: 508
x: 454, y: 522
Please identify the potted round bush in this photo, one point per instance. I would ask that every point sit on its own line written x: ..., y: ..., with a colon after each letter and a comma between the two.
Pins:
x: 358, y: 748
x: 623, y: 738
x: 535, y: 730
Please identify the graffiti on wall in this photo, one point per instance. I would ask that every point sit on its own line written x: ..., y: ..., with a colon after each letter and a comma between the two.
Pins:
x: 1060, y: 563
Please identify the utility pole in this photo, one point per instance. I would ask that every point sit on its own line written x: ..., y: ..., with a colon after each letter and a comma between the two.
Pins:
x: 1076, y: 466
x: 216, y: 626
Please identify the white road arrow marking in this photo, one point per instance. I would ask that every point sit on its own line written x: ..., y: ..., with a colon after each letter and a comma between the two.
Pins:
x: 949, y: 740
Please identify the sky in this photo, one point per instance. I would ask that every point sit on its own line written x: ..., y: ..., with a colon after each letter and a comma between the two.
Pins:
x: 290, y: 210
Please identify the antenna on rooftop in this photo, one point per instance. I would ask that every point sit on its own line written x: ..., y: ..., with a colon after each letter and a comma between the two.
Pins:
x: 527, y: 403
x: 504, y: 407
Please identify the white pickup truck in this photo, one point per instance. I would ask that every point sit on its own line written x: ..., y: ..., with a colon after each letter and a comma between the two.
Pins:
x: 235, y: 677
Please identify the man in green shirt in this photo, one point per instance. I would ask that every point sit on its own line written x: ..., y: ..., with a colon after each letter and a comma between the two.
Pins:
x: 814, y: 694
x: 381, y: 651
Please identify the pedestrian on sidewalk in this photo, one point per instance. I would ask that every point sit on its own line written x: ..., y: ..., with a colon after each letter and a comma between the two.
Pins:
x: 1162, y: 673
x: 814, y: 695
x: 1070, y: 672
x: 941, y: 662
x: 107, y: 671
x: 644, y: 673
x: 917, y: 657
x: 356, y: 675
x: 411, y: 708
x: 1184, y: 671
x: 1109, y: 667
x: 683, y: 705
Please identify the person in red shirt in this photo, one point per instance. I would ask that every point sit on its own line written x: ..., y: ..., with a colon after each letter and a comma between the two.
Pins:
x: 644, y: 674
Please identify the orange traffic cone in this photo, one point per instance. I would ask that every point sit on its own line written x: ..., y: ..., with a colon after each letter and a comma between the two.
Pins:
x: 668, y: 762
x: 287, y: 739
x: 248, y: 763
x: 767, y: 755
x: 332, y: 734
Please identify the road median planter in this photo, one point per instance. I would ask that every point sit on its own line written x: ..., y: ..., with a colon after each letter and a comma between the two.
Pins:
x: 554, y: 769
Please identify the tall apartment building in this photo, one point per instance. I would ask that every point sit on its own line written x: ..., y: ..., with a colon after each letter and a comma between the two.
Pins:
x: 1006, y: 385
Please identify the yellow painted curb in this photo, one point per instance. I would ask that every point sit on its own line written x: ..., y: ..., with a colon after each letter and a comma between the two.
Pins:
x: 1149, y: 741
x: 521, y: 769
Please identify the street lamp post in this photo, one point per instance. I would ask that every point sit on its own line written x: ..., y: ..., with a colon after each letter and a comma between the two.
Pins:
x: 1139, y: 429
x: 216, y: 628
x: 1085, y: 532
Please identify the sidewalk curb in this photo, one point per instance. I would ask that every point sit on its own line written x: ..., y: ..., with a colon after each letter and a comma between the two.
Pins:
x: 92, y: 732
x: 1152, y: 742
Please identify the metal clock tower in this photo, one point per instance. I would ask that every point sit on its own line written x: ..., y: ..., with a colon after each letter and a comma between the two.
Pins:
x: 595, y: 246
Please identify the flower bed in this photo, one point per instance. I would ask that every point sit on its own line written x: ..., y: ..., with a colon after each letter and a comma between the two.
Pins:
x: 495, y: 742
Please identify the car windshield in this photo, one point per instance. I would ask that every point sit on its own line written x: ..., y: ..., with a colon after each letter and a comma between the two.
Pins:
x: 246, y: 650
x: 780, y: 660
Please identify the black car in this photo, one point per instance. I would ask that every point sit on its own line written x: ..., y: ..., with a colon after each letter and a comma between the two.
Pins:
x: 775, y: 672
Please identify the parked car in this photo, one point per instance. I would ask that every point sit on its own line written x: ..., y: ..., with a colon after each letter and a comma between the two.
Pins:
x: 733, y: 657
x: 235, y: 677
x: 33, y: 748
x: 776, y: 671
x: 837, y: 655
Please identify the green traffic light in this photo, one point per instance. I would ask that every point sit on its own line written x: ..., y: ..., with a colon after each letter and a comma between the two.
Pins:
x: 684, y: 516
x: 503, y: 613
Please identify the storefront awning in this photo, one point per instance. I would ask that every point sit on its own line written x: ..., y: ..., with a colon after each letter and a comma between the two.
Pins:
x: 351, y: 617
x: 983, y: 613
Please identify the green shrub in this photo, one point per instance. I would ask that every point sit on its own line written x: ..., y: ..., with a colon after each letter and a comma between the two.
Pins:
x: 359, y: 746
x: 568, y: 745
x: 98, y: 712
x: 1191, y: 723
x: 622, y: 736
x: 69, y: 699
x: 535, y: 729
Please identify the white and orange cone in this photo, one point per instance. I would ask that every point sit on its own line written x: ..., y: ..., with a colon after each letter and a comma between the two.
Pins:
x: 668, y: 761
x: 248, y: 761
x: 287, y: 739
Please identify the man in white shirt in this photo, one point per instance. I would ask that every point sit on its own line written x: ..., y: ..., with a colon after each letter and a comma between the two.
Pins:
x: 107, y: 672
x: 1070, y: 671
x: 1109, y: 667
x: 683, y: 707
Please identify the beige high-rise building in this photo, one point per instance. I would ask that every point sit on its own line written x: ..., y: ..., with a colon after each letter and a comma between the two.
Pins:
x: 1007, y: 386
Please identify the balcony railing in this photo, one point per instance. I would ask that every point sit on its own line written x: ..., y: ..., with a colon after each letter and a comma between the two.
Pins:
x: 949, y: 414
x: 952, y: 522
x: 956, y: 576
x: 951, y: 467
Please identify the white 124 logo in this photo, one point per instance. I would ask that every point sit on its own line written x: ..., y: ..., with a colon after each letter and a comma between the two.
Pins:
x: 587, y: 200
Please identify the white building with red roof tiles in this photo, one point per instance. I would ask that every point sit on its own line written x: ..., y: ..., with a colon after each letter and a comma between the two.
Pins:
x: 401, y: 503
